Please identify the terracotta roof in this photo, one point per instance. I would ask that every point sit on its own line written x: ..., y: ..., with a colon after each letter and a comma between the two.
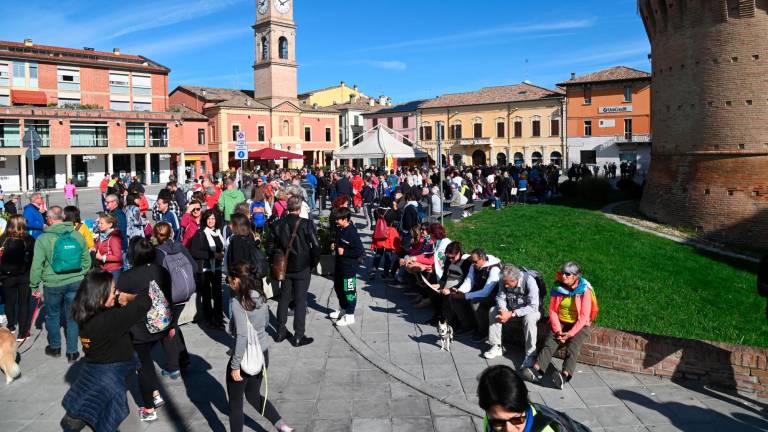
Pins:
x: 403, y: 107
x: 362, y: 104
x: 236, y: 98
x: 56, y: 54
x: 187, y: 113
x: 501, y: 94
x: 616, y: 73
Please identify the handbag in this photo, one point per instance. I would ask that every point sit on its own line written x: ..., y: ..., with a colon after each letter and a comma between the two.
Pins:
x: 280, y: 258
x: 253, y: 358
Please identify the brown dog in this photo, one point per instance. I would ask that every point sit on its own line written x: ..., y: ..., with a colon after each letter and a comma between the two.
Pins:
x: 8, y: 355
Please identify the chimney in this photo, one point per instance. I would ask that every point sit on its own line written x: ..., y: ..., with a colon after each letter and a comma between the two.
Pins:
x: 382, y: 100
x: 314, y: 105
x: 342, y: 84
x: 116, y: 51
x: 28, y: 42
x: 573, y: 75
x: 202, y: 92
x: 371, y: 102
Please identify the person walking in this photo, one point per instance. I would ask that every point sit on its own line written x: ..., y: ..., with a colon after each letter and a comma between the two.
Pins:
x: 207, y: 248
x: 249, y: 306
x: 295, y: 237
x: 60, y: 276
x: 16, y: 249
x: 229, y: 198
x: 69, y: 192
x: 349, y: 250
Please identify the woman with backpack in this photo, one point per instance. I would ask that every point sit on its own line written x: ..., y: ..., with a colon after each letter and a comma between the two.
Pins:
x: 207, y: 248
x: 16, y: 250
x: 249, y: 306
x: 259, y: 209
x: 134, y: 222
x: 243, y: 245
x: 146, y: 278
x: 572, y: 308
x: 72, y: 214
x: 108, y: 246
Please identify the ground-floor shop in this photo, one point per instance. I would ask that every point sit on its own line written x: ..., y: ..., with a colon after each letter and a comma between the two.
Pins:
x: 486, y: 155
x: 600, y: 151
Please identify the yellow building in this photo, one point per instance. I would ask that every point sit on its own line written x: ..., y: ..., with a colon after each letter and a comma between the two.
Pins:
x: 521, y: 124
x: 328, y: 96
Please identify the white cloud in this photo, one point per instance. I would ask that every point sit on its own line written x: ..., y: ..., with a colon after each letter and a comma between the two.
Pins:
x: 197, y: 39
x: 383, y: 64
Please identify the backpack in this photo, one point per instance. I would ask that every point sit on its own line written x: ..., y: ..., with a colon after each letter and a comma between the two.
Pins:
x: 252, y: 362
x: 556, y: 420
x: 258, y: 263
x: 67, y: 254
x: 182, y: 276
x: 159, y: 315
x: 381, y: 230
x: 258, y: 215
x: 536, y: 275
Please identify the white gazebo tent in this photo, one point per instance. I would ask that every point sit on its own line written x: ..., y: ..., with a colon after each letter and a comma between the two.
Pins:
x: 380, y: 142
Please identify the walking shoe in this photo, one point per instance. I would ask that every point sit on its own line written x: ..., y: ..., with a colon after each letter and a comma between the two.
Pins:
x: 158, y: 401
x: 69, y: 423
x: 345, y: 320
x: 529, y: 361
x: 334, y: 315
x: 147, y: 416
x: 495, y: 351
x: 304, y: 340
x: 170, y: 374
x: 283, y: 336
x: 558, y: 380
x: 529, y: 374
x: 72, y: 357
x: 52, y: 352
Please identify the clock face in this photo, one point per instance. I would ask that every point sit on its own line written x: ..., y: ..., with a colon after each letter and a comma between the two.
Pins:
x: 262, y: 6
x: 283, y: 6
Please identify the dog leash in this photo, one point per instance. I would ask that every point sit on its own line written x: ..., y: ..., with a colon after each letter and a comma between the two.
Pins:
x: 34, y: 318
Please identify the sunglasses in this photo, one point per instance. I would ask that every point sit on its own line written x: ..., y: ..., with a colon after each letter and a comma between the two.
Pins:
x: 566, y: 274
x: 195, y: 209
x: 498, y: 424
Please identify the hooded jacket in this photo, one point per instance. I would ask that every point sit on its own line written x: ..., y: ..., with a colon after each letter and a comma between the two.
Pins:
x: 111, y: 251
x: 41, y: 270
x: 35, y: 220
x: 481, y: 283
x: 228, y: 200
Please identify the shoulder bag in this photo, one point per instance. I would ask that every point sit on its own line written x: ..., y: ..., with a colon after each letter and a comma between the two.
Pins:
x: 280, y: 258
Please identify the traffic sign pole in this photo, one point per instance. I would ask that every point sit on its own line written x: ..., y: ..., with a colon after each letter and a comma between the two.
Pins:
x: 32, y: 140
x: 241, y: 150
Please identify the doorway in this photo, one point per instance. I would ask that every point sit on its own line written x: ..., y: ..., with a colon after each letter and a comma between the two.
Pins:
x: 79, y: 171
x: 141, y: 168
x: 478, y: 158
x: 154, y: 168
x: 45, y: 172
x: 121, y: 164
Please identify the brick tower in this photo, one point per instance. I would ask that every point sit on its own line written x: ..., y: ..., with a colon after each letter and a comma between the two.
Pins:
x: 709, y: 167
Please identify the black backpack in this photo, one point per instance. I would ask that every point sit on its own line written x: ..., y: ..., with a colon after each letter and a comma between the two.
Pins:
x: 556, y: 420
x: 536, y: 275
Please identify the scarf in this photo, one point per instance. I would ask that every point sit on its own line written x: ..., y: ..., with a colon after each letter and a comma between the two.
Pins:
x: 212, y: 235
x: 580, y: 289
x: 105, y: 234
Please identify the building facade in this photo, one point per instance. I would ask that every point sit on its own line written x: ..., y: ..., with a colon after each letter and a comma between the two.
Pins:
x: 333, y: 95
x: 609, y: 117
x: 351, y: 119
x: 401, y: 118
x: 271, y: 114
x: 95, y: 112
x: 710, y: 150
x: 518, y: 124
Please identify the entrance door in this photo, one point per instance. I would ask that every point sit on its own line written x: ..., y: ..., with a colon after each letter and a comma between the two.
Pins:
x: 478, y: 158
x: 45, y: 172
x: 141, y: 169
x: 154, y: 168
x: 79, y: 171
x: 121, y: 163
x: 189, y: 169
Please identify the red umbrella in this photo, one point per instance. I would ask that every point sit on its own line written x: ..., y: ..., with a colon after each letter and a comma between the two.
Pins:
x: 272, y: 154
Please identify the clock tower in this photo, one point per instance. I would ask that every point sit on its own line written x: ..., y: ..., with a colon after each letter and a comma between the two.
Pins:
x: 274, y: 71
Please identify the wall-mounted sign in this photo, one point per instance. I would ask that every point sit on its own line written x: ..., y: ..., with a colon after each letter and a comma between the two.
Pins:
x: 606, y: 123
x: 87, y: 158
x: 3, y: 158
x: 614, y: 109
x: 165, y: 156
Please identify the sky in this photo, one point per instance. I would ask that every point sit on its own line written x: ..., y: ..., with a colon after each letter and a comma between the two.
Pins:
x: 405, y: 49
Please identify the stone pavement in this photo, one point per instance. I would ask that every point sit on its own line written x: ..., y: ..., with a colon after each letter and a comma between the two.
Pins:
x: 327, y: 386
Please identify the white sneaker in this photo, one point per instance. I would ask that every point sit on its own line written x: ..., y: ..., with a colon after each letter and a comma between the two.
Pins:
x: 3, y: 321
x: 345, y: 320
x: 529, y: 361
x: 334, y: 315
x: 495, y: 351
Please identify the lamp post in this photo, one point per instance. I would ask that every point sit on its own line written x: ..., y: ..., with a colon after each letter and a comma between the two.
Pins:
x: 438, y: 133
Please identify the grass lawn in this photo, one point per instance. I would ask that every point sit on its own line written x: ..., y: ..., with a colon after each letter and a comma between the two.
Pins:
x: 643, y: 283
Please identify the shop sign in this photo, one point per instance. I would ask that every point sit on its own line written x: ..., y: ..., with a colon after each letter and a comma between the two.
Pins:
x: 165, y: 156
x: 3, y: 158
x: 87, y: 158
x: 614, y: 109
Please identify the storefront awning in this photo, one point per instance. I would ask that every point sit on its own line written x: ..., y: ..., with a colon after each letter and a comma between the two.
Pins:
x: 28, y: 97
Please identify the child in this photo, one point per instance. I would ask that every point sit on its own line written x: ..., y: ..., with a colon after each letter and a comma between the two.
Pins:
x: 349, y: 249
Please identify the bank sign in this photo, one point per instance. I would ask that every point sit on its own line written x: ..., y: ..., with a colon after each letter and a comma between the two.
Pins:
x: 614, y: 109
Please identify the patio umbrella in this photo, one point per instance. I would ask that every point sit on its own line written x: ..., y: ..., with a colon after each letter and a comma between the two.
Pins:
x: 272, y: 154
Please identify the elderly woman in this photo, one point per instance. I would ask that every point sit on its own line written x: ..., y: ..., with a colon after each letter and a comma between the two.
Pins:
x: 570, y: 319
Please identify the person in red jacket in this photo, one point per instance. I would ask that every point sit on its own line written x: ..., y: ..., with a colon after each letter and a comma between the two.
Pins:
x: 357, y: 188
x: 108, y: 246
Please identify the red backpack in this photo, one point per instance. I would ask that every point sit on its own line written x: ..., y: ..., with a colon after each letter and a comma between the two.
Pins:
x: 381, y: 230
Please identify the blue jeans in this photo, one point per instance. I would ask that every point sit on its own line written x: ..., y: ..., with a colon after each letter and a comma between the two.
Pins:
x: 56, y: 299
x: 496, y: 202
x: 311, y: 193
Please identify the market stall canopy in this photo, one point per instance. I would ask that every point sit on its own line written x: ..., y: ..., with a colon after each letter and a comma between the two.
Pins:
x: 273, y: 154
x: 379, y: 143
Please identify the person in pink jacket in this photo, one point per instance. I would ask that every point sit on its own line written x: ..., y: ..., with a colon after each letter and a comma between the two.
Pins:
x: 570, y: 320
x: 190, y: 221
x: 69, y: 192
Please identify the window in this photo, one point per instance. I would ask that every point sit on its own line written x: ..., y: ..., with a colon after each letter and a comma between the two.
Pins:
x: 587, y: 95
x: 356, y: 120
x: 307, y: 133
x: 587, y: 127
x: 627, y: 93
x: 142, y: 85
x: 426, y: 133
x: 327, y: 134
x: 589, y: 156
x: 405, y: 122
x: 4, y: 74
x: 33, y: 75
x: 142, y: 106
x: 68, y: 103
x: 68, y: 79
x: 5, y: 100
x: 390, y: 122
x: 286, y: 127
x: 518, y: 127
x: 455, y: 130
x: 628, y: 129
x: 235, y: 130
x: 10, y: 133
x: 536, y: 158
x: 136, y: 134
x: 554, y: 127
x: 201, y: 137
x: 536, y: 126
x: 500, y: 132
x: 119, y: 105
x: 261, y: 133
x: 478, y: 130
x: 19, y: 74
x: 83, y: 134
x: 264, y: 48
x: 118, y: 83
x: 375, y: 122
x: 283, y: 46
x: 158, y: 135
x: 43, y: 129
x: 555, y: 158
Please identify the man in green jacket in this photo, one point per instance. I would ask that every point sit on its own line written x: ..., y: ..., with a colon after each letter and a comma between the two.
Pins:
x: 229, y: 198
x: 59, y: 289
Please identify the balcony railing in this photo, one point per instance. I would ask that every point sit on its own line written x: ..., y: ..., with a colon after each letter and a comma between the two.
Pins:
x: 629, y: 138
x: 89, y: 142
x: 158, y: 142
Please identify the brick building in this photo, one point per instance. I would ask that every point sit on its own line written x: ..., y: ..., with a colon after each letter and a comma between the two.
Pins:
x: 710, y: 150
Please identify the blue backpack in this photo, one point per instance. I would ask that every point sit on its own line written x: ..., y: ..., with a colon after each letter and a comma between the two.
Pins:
x: 258, y: 213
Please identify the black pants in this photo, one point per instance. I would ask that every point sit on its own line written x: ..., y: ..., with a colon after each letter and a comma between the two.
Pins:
x: 147, y: 375
x: 322, y: 194
x: 17, y: 298
x: 175, y: 348
x: 380, y: 253
x: 294, y: 289
x: 248, y: 387
x: 209, y: 290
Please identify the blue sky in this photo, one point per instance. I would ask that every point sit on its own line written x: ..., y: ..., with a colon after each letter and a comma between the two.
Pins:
x: 407, y: 49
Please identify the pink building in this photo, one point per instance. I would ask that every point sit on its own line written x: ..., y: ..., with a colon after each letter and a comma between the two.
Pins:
x: 400, y: 118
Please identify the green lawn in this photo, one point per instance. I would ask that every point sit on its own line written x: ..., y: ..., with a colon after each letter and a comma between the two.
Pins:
x: 643, y: 282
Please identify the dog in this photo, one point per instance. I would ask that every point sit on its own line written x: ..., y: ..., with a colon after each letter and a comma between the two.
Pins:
x: 446, y: 335
x: 8, y: 355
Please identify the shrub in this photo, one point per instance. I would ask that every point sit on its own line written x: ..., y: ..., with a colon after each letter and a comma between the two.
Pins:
x: 630, y: 189
x: 591, y: 192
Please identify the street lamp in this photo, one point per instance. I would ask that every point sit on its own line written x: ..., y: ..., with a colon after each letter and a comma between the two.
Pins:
x: 439, y: 135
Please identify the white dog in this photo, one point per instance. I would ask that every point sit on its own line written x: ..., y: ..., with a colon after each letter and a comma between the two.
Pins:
x: 446, y: 335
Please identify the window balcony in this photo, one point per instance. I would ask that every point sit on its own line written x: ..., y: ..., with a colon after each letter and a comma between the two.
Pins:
x: 630, y: 138
x: 80, y: 141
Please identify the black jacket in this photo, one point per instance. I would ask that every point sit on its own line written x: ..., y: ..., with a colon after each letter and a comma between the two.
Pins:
x: 410, y: 218
x: 136, y: 281
x: 348, y: 239
x: 344, y: 187
x: 17, y: 254
x: 181, y: 199
x: 305, y: 249
x: 10, y: 208
x: 465, y: 265
x: 201, y: 250
x: 245, y: 248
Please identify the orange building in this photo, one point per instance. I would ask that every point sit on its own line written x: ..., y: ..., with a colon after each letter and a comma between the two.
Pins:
x: 608, y: 117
